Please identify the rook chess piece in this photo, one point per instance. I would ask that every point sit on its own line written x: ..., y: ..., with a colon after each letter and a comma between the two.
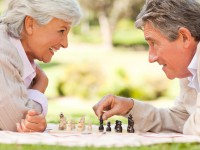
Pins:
x: 108, y: 129
x: 119, y: 127
x: 101, y: 128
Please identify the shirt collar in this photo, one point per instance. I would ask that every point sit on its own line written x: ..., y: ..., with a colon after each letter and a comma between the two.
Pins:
x: 29, y: 67
x: 193, y: 80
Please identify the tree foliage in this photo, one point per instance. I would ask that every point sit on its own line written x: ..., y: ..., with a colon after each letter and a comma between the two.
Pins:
x: 109, y: 12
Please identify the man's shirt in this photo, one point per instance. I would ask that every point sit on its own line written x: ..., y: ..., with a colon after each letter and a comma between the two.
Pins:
x: 193, y: 80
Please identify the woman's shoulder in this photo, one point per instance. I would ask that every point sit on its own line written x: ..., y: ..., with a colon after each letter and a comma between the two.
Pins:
x: 8, y: 50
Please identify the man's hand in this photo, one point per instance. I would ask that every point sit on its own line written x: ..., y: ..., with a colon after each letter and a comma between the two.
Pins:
x: 40, y: 82
x: 113, y: 105
x: 34, y: 122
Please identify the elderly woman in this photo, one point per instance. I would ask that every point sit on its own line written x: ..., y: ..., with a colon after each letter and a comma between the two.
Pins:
x: 29, y: 30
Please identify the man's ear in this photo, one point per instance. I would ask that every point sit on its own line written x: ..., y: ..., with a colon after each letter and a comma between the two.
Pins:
x: 28, y: 25
x: 185, y: 36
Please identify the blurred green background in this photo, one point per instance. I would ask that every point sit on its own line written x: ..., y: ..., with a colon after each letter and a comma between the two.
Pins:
x: 106, y: 55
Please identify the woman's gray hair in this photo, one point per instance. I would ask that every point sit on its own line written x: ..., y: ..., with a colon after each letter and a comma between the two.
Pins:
x: 169, y: 15
x: 43, y: 11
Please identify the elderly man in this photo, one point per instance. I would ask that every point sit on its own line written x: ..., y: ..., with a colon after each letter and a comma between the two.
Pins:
x: 171, y: 29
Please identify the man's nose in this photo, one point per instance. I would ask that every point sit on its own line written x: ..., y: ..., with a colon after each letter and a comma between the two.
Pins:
x: 153, y: 57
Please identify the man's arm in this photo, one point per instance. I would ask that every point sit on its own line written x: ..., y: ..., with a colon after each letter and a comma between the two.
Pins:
x: 145, y: 116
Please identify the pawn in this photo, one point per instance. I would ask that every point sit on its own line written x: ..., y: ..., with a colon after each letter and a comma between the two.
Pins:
x: 73, y: 124
x: 108, y: 129
x: 116, y: 122
x: 119, y: 127
x: 89, y: 125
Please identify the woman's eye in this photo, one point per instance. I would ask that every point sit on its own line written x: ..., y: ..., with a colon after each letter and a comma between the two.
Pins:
x: 62, y: 31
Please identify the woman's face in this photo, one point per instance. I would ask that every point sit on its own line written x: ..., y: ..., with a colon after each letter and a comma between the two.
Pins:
x: 42, y: 41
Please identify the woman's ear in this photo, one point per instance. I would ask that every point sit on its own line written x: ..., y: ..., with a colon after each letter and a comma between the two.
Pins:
x: 28, y: 25
x: 185, y: 36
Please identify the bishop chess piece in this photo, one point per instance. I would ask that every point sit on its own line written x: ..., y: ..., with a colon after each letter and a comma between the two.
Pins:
x: 101, y: 127
x: 130, y: 128
x: 108, y: 129
x: 119, y: 127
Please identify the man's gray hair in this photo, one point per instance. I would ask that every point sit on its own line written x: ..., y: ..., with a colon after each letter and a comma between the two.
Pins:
x: 43, y: 11
x: 169, y: 15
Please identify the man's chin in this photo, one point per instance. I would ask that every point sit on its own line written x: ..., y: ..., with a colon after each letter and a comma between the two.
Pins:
x: 170, y: 77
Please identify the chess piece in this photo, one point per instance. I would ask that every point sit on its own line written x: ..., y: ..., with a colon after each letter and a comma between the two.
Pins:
x: 89, y: 125
x: 119, y: 127
x: 130, y: 128
x: 116, y: 122
x: 69, y: 127
x: 73, y: 124
x: 108, y: 129
x: 80, y: 127
x: 62, y: 124
x: 82, y: 121
x: 101, y: 128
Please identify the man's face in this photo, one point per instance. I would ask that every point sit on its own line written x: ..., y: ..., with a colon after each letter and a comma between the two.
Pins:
x: 173, y: 56
x: 45, y: 40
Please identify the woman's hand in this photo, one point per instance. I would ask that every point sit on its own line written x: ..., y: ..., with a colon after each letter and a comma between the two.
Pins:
x: 34, y: 122
x: 40, y: 82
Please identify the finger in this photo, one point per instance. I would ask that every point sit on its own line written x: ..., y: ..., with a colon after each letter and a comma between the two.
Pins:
x: 32, y: 112
x: 36, y: 119
x: 110, y: 113
x: 19, y: 128
x: 104, y: 104
x: 36, y: 123
x: 24, y: 126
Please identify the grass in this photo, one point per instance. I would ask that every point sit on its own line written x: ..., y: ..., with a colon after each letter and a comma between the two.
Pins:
x: 174, y: 146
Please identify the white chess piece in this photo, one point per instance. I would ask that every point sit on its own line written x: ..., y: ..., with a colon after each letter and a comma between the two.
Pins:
x: 62, y: 124
x: 89, y: 125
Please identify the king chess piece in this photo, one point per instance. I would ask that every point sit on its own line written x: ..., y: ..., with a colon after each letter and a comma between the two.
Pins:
x: 130, y: 128
x: 108, y: 129
x: 101, y: 128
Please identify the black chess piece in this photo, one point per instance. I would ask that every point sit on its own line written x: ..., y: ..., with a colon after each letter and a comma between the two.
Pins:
x: 101, y: 127
x: 119, y: 127
x: 116, y: 122
x: 130, y: 128
x: 108, y: 129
